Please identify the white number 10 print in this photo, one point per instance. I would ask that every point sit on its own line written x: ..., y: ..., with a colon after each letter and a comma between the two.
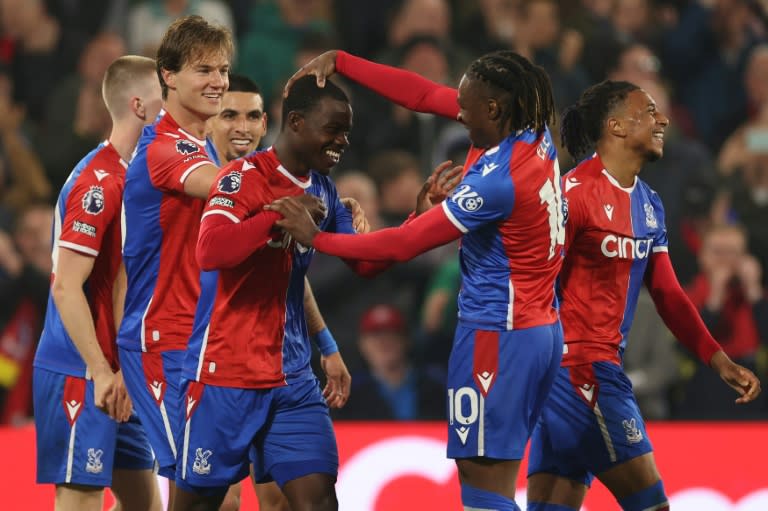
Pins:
x: 550, y: 195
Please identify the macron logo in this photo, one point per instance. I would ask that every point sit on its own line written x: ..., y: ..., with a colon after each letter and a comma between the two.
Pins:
x: 100, y: 174
x: 588, y: 391
x: 463, y: 432
x: 489, y: 167
x: 608, y: 211
x: 73, y: 406
x: 570, y: 183
x: 157, y: 389
x: 485, y: 381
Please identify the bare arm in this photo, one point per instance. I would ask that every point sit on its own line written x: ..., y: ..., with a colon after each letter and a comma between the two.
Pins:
x: 71, y: 273
x: 198, y: 183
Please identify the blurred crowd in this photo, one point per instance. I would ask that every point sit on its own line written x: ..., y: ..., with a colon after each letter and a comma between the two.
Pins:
x: 704, y: 61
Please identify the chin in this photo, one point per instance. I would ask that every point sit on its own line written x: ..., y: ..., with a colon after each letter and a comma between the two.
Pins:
x: 654, y: 155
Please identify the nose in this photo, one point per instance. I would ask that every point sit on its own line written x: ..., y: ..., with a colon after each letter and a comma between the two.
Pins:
x: 241, y: 124
x: 343, y: 139
x: 662, y: 119
x: 219, y: 79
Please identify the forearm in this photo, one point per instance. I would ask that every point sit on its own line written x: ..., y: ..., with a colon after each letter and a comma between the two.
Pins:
x: 677, y: 310
x: 315, y: 321
x: 396, y: 244
x: 225, y: 244
x: 118, y: 296
x: 76, y: 316
x: 405, y: 88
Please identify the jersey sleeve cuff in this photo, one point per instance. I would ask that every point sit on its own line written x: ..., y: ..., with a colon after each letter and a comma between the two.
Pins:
x: 79, y: 248
x: 453, y: 219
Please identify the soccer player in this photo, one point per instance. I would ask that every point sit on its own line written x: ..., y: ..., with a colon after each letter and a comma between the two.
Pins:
x: 507, y: 210
x: 165, y: 187
x: 615, y: 240
x: 236, y: 132
x: 248, y: 357
x: 80, y: 448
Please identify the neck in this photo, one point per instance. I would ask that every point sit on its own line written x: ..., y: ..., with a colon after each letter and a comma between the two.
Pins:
x: 124, y: 137
x: 620, y: 164
x: 288, y: 158
x: 189, y: 121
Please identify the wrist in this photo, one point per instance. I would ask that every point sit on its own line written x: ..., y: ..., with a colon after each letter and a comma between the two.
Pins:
x: 325, y: 342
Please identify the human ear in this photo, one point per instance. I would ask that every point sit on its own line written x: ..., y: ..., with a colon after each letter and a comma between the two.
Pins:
x: 616, y: 127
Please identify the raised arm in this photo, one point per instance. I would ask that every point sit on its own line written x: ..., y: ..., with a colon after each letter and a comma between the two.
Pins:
x: 405, y: 88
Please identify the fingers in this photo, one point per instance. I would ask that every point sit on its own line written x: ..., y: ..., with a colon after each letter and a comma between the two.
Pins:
x: 750, y: 388
x: 124, y: 406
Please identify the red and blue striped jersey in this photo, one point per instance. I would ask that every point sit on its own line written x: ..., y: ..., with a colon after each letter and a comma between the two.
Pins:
x: 87, y: 221
x: 509, y: 208
x: 250, y: 330
x: 160, y: 228
x: 611, y: 233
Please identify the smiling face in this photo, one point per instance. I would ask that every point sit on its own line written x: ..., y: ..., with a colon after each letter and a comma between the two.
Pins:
x: 198, y: 87
x: 478, y: 112
x: 237, y: 130
x: 644, y: 125
x: 323, y: 133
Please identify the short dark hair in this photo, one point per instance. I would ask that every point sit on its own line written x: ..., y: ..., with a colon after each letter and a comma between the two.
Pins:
x: 527, y: 101
x: 241, y: 83
x: 305, y: 95
x: 582, y: 124
x: 189, y: 38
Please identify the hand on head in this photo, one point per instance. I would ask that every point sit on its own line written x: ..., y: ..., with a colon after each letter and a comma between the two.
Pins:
x: 321, y: 67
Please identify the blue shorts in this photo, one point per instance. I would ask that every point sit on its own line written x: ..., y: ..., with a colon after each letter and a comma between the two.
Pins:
x: 590, y: 424
x: 76, y: 442
x: 286, y: 432
x: 497, y: 384
x: 152, y: 380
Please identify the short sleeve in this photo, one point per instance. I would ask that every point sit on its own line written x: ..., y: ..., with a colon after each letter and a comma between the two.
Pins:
x: 171, y: 160
x: 236, y: 193
x: 485, y: 195
x: 91, y: 206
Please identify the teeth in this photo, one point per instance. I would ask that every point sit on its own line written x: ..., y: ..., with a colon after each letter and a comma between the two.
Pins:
x: 333, y: 154
x: 240, y: 141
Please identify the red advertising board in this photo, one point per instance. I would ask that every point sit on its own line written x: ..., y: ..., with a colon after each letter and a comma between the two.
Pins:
x: 402, y: 466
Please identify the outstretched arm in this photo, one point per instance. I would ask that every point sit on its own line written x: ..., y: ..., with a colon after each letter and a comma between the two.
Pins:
x: 682, y: 318
x: 405, y: 88
x: 396, y: 244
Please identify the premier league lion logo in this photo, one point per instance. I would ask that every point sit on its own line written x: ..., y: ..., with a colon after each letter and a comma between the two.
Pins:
x: 186, y: 147
x: 230, y: 183
x: 93, y: 200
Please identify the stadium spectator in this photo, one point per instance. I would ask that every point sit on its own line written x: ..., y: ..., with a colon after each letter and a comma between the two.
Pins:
x: 25, y: 276
x: 149, y: 19
x: 42, y: 52
x: 391, y: 386
x: 76, y: 119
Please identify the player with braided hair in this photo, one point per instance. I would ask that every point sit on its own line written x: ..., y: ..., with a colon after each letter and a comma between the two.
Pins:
x: 507, y: 212
x: 616, y: 240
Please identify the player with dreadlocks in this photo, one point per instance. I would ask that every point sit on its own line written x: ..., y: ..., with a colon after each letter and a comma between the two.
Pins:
x: 507, y: 212
x: 616, y: 239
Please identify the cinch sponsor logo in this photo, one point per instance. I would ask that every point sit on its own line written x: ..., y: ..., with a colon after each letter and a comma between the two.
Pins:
x: 625, y: 248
